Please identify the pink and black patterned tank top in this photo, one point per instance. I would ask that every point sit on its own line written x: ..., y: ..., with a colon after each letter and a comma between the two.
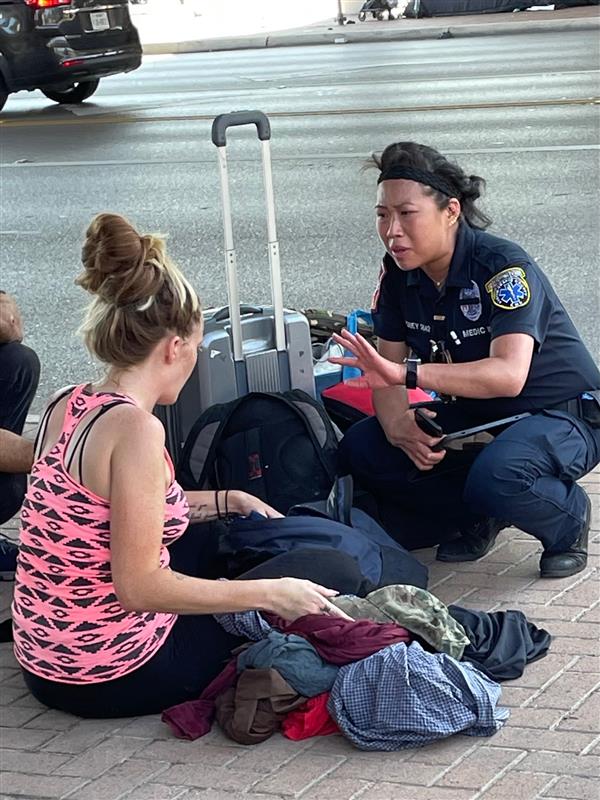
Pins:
x: 68, y: 624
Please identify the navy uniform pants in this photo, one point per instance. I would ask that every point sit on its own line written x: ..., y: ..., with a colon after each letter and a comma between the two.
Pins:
x: 19, y: 376
x: 526, y: 476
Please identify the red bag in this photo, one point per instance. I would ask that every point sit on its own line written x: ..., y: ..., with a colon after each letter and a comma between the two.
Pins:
x: 348, y: 402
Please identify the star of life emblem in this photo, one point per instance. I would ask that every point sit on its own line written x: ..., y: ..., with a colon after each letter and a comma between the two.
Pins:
x: 509, y: 289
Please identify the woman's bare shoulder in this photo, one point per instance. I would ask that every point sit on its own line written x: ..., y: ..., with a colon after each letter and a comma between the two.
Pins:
x: 134, y: 425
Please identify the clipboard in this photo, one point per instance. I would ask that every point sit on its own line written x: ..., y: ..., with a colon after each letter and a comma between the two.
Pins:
x: 477, y: 429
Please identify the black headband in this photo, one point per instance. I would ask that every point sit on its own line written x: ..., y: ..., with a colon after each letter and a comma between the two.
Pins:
x: 419, y: 175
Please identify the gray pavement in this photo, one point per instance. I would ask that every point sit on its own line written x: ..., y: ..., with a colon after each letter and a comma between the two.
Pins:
x: 548, y: 750
x: 180, y: 31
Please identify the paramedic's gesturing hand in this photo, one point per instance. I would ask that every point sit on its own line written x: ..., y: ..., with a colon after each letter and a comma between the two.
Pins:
x: 378, y: 371
x: 244, y: 504
x: 381, y: 373
x: 291, y: 598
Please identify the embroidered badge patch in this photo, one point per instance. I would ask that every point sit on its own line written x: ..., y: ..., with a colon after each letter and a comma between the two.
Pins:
x: 470, y: 302
x: 377, y: 292
x: 509, y: 289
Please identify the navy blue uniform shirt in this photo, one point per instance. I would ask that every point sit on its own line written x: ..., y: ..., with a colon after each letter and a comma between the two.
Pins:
x: 493, y: 288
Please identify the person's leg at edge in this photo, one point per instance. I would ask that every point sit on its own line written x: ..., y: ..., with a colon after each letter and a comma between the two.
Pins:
x: 195, y: 652
x: 19, y: 377
x: 528, y: 475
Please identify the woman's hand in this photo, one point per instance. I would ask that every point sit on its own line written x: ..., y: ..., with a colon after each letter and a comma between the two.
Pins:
x: 243, y: 503
x: 378, y: 371
x: 417, y: 444
x: 291, y: 598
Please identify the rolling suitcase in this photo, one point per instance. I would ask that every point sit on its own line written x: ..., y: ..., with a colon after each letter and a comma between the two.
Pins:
x: 245, y: 348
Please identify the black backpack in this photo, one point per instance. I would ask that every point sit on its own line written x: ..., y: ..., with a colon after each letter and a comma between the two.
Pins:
x: 279, y: 447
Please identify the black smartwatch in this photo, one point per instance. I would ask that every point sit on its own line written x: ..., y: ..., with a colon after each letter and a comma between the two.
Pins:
x: 411, y: 372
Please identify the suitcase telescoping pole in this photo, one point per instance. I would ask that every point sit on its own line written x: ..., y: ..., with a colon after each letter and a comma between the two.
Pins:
x: 219, y: 131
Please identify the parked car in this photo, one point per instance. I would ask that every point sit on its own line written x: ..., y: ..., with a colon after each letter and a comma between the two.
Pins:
x: 64, y: 47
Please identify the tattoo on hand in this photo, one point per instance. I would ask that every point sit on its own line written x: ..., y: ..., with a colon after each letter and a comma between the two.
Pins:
x: 199, y: 512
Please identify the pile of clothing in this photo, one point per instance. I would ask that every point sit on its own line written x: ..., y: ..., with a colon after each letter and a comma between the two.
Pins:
x: 406, y: 671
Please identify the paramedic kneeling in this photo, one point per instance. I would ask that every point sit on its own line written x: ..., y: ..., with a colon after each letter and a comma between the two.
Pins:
x: 471, y: 316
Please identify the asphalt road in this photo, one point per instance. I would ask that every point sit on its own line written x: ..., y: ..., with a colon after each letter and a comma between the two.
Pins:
x: 518, y: 110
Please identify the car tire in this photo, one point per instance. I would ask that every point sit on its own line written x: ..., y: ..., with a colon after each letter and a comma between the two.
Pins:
x: 76, y: 93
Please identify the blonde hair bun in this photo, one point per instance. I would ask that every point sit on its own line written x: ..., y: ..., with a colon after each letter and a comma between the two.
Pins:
x: 121, y: 266
x: 140, y: 295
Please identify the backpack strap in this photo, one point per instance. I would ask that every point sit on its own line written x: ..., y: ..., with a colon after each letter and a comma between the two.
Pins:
x: 308, y: 411
x: 199, y: 450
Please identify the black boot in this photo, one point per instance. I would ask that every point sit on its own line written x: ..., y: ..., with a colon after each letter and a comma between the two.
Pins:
x: 474, y: 542
x: 573, y: 560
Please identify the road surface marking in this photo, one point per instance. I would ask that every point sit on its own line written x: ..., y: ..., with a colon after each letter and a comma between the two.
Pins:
x: 551, y: 148
x: 122, y: 119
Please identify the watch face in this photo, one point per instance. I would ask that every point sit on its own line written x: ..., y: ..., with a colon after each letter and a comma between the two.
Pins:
x: 411, y: 373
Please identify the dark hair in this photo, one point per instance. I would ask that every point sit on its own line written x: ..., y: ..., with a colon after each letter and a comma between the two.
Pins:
x: 139, y: 293
x: 467, y: 188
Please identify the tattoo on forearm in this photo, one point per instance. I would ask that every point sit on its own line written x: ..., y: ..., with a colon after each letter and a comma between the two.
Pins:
x: 200, y: 512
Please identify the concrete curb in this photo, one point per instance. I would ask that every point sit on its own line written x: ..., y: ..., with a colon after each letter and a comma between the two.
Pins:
x: 352, y: 34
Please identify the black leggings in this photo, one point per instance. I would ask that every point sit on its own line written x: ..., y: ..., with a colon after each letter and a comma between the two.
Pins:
x: 197, y: 648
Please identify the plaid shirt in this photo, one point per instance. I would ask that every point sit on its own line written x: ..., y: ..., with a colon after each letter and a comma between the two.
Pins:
x: 403, y: 697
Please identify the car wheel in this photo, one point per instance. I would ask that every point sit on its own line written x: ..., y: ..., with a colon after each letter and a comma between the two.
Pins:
x: 76, y: 93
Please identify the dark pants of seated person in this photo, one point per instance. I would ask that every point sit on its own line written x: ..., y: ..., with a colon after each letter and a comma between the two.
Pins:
x: 197, y: 648
x: 19, y: 376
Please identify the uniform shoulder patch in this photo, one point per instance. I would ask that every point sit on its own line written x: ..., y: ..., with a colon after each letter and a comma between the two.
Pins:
x: 509, y: 289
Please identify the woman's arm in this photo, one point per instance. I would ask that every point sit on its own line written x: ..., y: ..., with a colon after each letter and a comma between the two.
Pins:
x: 208, y: 505
x: 391, y: 403
x: 137, y: 498
x: 502, y: 374
x: 16, y: 453
x: 397, y: 420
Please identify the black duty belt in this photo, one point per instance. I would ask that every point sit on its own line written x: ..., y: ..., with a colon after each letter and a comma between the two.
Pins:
x: 585, y: 407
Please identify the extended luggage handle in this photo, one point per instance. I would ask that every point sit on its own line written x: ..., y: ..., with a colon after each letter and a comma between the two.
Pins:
x: 263, y: 128
x: 224, y: 121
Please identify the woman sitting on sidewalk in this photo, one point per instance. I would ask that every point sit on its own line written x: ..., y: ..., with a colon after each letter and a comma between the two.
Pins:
x: 106, y: 620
